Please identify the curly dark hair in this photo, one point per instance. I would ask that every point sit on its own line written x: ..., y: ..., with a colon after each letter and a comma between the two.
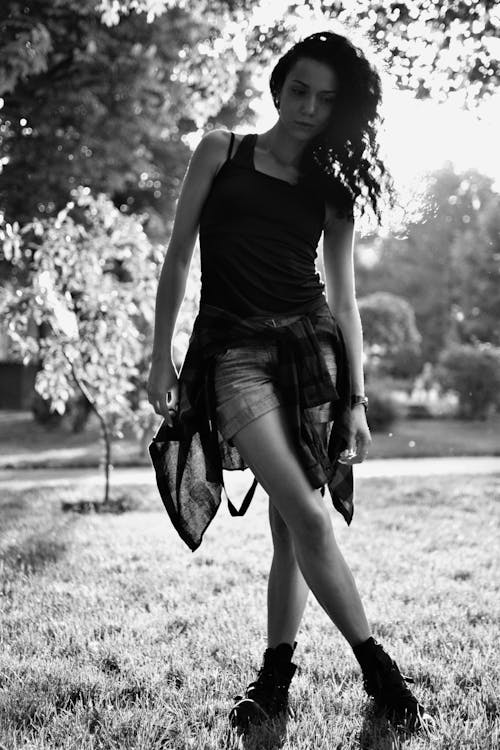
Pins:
x: 343, y: 159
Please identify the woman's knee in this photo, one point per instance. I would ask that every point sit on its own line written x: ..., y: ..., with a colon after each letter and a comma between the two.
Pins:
x: 267, y: 446
x: 313, y: 525
x: 279, y: 530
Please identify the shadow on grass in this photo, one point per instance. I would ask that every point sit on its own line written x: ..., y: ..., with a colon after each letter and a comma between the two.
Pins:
x: 35, y: 553
x: 13, y: 508
x: 122, y: 503
x: 377, y: 734
x: 269, y: 735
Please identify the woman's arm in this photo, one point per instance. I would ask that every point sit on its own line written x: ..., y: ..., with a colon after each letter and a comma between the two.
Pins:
x: 338, y: 258
x: 205, y: 162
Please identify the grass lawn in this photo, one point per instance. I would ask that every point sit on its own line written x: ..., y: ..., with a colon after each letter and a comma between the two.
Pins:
x: 115, y: 636
x: 23, y: 442
x: 410, y: 438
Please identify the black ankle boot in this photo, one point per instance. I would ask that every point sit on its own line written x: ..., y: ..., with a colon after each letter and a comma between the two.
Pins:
x: 267, y: 696
x: 384, y: 682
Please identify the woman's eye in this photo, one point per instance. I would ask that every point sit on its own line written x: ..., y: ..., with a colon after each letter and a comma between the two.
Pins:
x: 298, y: 91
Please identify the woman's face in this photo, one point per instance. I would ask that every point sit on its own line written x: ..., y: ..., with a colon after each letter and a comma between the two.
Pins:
x: 307, y: 98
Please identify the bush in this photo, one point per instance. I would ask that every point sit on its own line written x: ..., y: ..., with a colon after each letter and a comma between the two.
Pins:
x: 418, y: 411
x: 473, y: 372
x: 390, y: 334
x: 404, y: 364
x: 382, y: 410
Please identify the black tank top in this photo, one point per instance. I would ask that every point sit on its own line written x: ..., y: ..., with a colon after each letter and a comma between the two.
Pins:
x: 258, y: 240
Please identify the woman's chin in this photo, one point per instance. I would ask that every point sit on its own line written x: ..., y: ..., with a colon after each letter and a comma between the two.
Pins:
x: 301, y: 132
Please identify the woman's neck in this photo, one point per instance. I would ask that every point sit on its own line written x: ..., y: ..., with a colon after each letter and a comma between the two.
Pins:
x: 283, y: 148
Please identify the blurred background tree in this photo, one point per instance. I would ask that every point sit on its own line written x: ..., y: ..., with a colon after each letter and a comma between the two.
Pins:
x: 473, y: 372
x: 447, y: 266
x: 391, y: 338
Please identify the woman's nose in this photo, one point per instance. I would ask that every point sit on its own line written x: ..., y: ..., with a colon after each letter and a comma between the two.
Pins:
x: 309, y: 105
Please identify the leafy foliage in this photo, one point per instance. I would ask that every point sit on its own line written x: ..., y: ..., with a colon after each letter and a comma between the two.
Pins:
x: 474, y: 373
x: 476, y: 252
x: 107, y: 106
x: 383, y: 410
x: 448, y: 265
x: 434, y: 48
x: 86, y: 310
x: 389, y: 331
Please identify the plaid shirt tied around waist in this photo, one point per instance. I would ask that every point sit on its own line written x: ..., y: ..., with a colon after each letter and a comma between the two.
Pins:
x: 189, y: 457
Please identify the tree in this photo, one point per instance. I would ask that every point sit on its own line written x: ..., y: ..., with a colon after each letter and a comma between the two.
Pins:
x: 477, y: 256
x: 106, y: 106
x: 474, y: 373
x: 446, y: 265
x: 436, y: 49
x: 86, y: 311
x: 432, y: 47
x: 390, y: 333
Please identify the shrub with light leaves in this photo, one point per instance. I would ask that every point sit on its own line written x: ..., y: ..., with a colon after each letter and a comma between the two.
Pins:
x: 86, y: 310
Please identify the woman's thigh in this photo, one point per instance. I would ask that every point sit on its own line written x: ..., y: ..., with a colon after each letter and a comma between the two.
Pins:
x: 267, y: 447
x: 244, y: 387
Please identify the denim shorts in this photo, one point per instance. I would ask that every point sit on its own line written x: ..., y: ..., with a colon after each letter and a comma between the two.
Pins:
x: 246, y: 385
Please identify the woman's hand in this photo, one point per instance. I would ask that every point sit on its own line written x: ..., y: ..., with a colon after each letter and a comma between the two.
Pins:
x: 163, y: 389
x: 360, y: 438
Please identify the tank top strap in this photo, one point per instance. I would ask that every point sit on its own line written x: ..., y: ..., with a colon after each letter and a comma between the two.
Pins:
x: 244, y: 152
x: 230, y: 147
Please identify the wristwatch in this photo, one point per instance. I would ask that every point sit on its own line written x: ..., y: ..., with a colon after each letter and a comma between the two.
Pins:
x: 358, y: 399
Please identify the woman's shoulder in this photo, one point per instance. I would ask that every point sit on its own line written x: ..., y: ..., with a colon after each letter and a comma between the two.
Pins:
x: 217, y: 141
x: 217, y: 146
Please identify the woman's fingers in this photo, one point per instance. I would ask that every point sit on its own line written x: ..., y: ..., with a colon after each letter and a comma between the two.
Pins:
x: 173, y: 398
x: 358, y: 447
x: 363, y: 445
x: 163, y: 392
x: 348, y: 455
x: 172, y: 407
x: 168, y: 407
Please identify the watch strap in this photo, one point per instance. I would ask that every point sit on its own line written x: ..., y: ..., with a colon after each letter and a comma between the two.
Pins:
x: 359, y: 399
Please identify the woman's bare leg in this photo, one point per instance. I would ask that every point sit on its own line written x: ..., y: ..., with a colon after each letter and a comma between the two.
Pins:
x: 287, y: 590
x: 267, y: 447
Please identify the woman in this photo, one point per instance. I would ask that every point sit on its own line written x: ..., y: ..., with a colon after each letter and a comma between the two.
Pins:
x: 273, y: 375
